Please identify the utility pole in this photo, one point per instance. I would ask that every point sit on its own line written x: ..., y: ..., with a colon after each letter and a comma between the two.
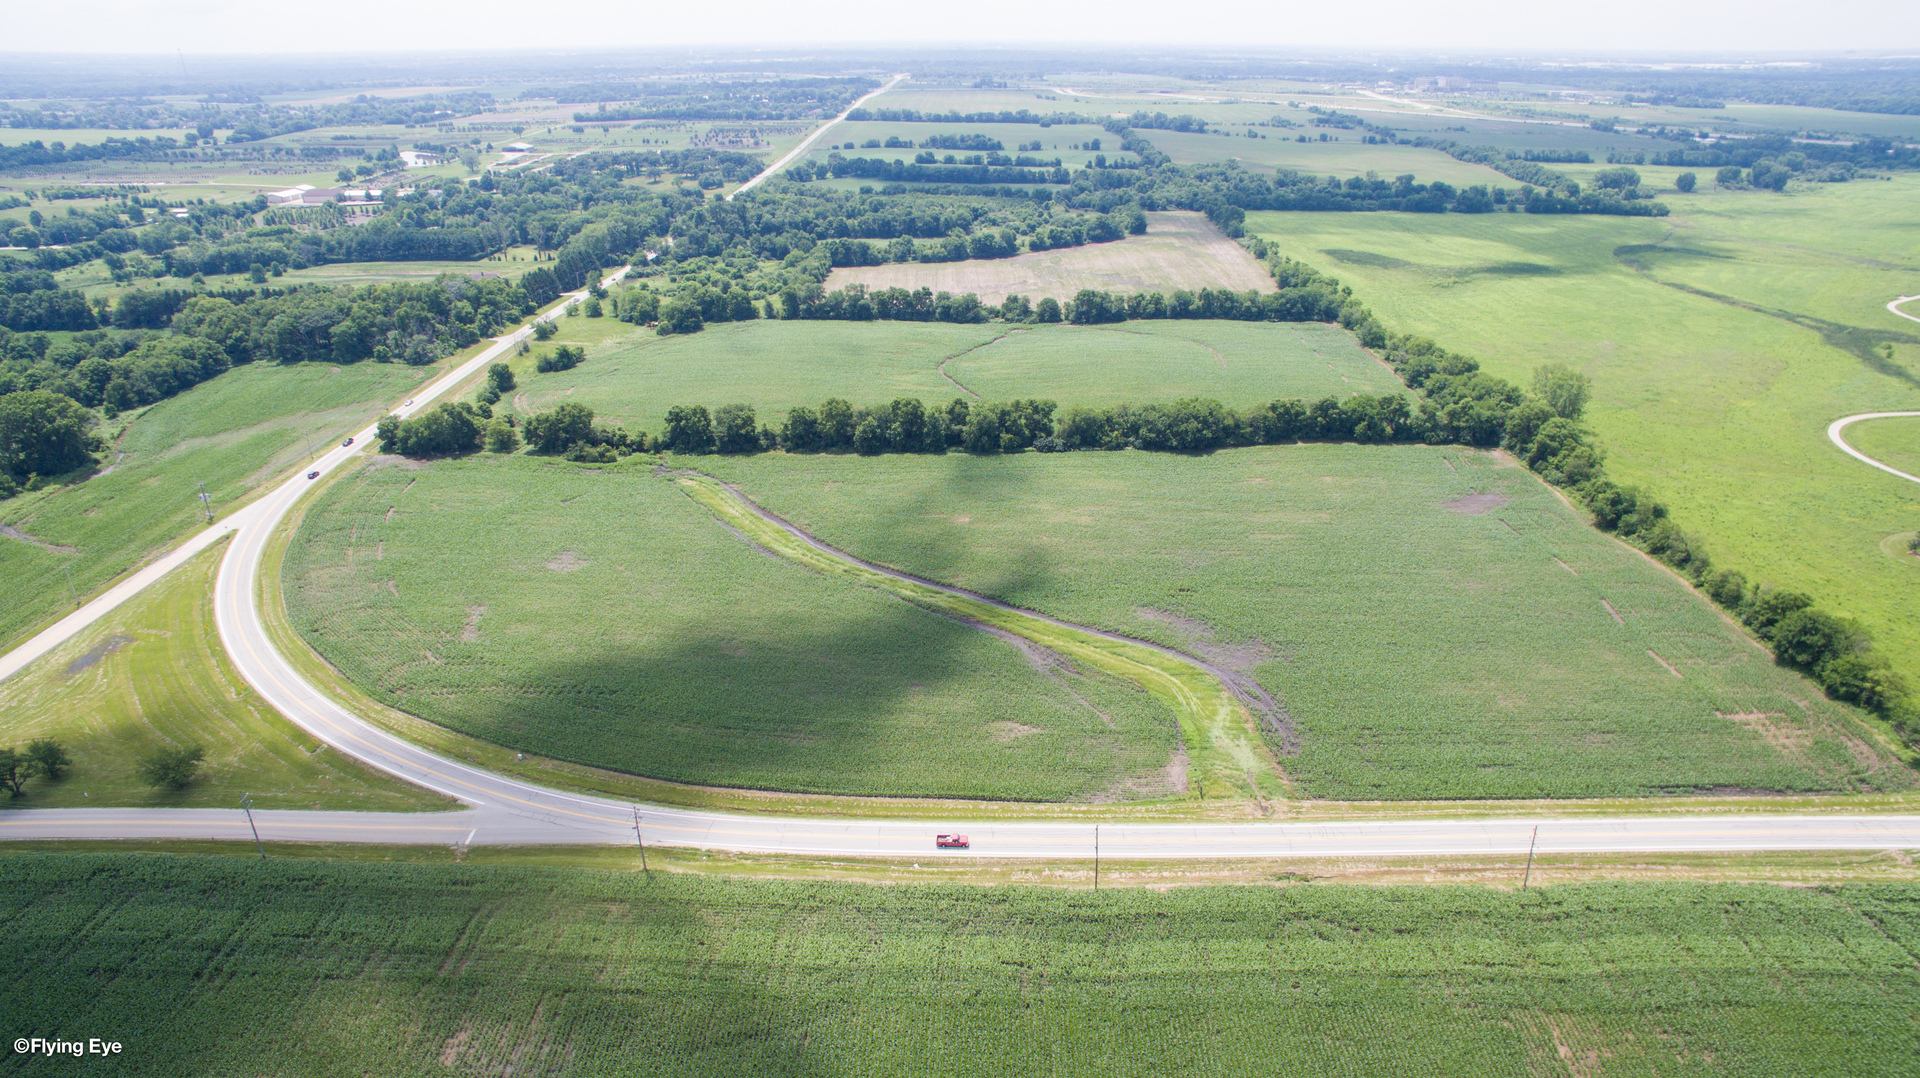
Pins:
x: 642, y: 840
x: 68, y: 569
x: 1529, y: 873
x: 206, y: 501
x: 246, y: 802
x: 1096, y: 857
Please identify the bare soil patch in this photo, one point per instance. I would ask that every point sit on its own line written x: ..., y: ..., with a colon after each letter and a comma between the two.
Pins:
x: 1663, y: 662
x: 567, y: 562
x: 471, y: 631
x: 1473, y: 505
x: 1004, y: 731
x: 1180, y: 250
x: 99, y: 651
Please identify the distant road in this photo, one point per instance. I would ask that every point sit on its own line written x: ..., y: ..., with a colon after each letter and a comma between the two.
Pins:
x: 1836, y: 429
x: 501, y: 810
x: 807, y: 143
x: 61, y: 631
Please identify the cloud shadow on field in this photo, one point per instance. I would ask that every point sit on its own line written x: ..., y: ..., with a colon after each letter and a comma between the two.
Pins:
x: 876, y: 696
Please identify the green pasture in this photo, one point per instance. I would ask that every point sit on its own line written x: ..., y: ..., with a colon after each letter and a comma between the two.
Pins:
x: 1721, y: 340
x: 234, y: 433
x: 1436, y: 623
x: 603, y: 617
x: 1348, y: 157
x: 226, y: 965
x: 1056, y: 141
x: 152, y: 675
x: 633, y: 377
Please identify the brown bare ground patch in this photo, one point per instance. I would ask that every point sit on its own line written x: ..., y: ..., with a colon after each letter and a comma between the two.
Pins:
x: 1570, y: 569
x: 1169, y: 781
x: 471, y: 631
x: 1004, y: 731
x: 1473, y: 505
x: 1663, y: 662
x: 1180, y: 250
x: 567, y: 562
x: 1774, y: 729
x: 1616, y: 615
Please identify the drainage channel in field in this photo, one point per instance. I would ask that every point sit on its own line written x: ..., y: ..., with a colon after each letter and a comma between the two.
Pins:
x: 1217, y: 714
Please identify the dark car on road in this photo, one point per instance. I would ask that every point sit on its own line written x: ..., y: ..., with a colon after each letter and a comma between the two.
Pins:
x: 313, y: 475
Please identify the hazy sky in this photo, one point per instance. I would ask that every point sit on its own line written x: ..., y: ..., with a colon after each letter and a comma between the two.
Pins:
x: 234, y: 26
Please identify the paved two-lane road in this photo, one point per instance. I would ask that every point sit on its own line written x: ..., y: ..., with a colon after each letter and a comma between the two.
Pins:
x: 504, y: 810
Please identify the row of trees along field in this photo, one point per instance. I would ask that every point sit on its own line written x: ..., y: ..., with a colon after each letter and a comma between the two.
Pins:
x: 413, y: 323
x: 1465, y: 404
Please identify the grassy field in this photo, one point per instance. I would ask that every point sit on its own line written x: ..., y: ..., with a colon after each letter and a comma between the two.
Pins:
x: 632, y: 378
x: 1436, y: 624
x: 225, y: 965
x: 1895, y: 442
x: 234, y: 433
x: 1180, y: 250
x: 1348, y: 157
x: 1721, y: 340
x: 605, y: 618
x: 153, y: 675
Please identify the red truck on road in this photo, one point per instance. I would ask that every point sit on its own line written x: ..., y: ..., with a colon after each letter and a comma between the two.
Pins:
x: 950, y: 842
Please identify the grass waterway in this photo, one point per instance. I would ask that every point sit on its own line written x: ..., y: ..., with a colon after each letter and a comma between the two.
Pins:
x: 1226, y: 756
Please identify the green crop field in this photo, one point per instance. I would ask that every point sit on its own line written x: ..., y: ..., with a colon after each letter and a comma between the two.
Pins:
x: 152, y: 674
x: 1436, y: 623
x: 605, y: 618
x: 214, y: 965
x: 1348, y: 157
x: 633, y: 378
x: 1722, y: 340
x: 233, y: 433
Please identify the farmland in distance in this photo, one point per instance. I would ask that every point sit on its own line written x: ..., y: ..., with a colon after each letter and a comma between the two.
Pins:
x: 1436, y: 622
x: 632, y: 379
x: 1179, y: 250
x: 1721, y: 341
x: 602, y: 617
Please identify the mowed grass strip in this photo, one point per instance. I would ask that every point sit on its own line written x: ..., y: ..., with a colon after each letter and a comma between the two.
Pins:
x: 631, y: 379
x: 602, y: 617
x: 1437, y: 623
x: 228, y: 965
x: 152, y: 675
x: 1181, y: 250
x: 233, y: 434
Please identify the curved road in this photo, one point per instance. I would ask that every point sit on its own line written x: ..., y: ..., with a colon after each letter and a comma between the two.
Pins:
x: 1836, y: 429
x: 503, y: 810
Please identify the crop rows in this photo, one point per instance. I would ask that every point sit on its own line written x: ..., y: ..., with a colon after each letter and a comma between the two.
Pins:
x: 604, y: 618
x: 210, y: 965
x: 1496, y: 648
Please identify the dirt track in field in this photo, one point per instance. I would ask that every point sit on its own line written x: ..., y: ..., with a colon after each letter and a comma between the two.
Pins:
x: 1180, y: 250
